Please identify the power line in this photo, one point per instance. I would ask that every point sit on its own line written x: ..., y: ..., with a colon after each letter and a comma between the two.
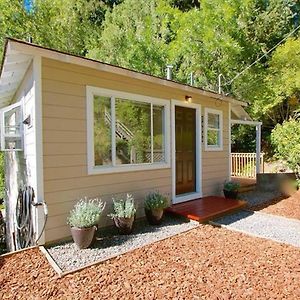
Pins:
x: 247, y: 68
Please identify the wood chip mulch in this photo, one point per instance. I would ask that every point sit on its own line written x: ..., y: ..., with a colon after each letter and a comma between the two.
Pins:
x: 204, y: 263
x: 286, y: 207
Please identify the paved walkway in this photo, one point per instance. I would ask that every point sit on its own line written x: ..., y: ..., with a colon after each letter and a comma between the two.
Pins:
x: 263, y: 225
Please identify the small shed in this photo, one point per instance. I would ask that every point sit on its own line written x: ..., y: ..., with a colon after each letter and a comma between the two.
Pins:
x: 74, y: 127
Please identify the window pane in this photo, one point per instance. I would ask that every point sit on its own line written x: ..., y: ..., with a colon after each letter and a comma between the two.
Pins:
x: 213, y: 121
x: 102, y: 131
x: 158, y: 134
x: 13, y: 143
x: 12, y: 121
x: 213, y: 137
x: 133, y: 132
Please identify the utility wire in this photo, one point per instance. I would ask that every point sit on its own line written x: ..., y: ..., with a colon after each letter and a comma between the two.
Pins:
x: 247, y: 68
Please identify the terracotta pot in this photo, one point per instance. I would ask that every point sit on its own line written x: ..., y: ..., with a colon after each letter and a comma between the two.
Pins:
x: 83, y: 237
x: 230, y: 194
x: 124, y: 225
x: 154, y: 216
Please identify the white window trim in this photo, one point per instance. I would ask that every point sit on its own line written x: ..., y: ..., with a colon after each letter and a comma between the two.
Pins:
x: 213, y: 147
x: 3, y: 135
x: 92, y: 169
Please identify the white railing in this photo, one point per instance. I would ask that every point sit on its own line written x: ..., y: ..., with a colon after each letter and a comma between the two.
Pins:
x: 244, y: 164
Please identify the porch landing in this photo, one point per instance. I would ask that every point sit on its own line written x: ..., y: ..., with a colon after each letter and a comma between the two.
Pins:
x: 206, y: 208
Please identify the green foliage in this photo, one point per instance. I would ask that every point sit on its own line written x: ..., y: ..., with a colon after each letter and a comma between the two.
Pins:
x: 156, y: 200
x: 286, y: 140
x: 231, y: 186
x: 86, y: 213
x: 135, y: 35
x: 68, y: 25
x: 123, y: 208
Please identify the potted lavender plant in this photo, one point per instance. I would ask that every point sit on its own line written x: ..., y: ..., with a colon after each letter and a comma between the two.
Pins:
x: 124, y: 214
x: 84, y: 219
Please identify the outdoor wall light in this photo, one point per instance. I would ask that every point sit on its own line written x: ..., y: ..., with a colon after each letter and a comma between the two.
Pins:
x: 188, y: 99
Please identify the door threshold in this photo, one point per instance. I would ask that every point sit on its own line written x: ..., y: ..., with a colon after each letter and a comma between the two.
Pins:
x: 186, y: 197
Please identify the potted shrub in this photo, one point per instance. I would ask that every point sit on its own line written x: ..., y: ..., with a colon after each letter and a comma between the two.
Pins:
x: 231, y: 189
x: 155, y: 203
x: 84, y: 219
x: 124, y: 214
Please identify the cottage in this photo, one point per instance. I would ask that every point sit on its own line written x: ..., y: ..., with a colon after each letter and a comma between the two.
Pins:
x: 74, y: 127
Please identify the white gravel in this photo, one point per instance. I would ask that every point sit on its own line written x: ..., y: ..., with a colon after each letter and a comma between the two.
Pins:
x: 109, y: 244
x: 272, y: 227
x: 257, y: 197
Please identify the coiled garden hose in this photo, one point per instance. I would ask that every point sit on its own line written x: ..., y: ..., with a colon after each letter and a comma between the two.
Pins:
x: 24, y: 235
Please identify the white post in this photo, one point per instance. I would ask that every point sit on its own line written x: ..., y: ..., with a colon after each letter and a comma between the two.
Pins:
x: 258, y: 142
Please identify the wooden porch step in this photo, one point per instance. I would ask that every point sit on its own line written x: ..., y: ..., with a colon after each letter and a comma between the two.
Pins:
x: 247, y: 188
x: 207, y: 208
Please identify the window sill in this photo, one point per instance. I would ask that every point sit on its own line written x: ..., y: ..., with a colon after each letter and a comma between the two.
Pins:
x: 126, y: 168
x: 213, y: 148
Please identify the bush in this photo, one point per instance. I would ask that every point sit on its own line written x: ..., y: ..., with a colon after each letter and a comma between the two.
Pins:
x: 86, y: 213
x: 156, y: 201
x: 286, y: 140
x: 123, y: 208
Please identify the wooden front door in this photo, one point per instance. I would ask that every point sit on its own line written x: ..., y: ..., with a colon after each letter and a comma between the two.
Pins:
x: 185, y: 135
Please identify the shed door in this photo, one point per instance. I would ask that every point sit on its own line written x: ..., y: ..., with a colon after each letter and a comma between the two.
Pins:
x: 185, y: 135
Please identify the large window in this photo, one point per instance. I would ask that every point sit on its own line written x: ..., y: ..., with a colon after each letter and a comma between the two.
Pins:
x: 126, y: 132
x: 213, y: 121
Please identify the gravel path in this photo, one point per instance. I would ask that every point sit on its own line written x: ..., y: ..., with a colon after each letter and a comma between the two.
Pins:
x: 110, y: 244
x: 204, y: 263
x: 255, y: 198
x: 276, y: 228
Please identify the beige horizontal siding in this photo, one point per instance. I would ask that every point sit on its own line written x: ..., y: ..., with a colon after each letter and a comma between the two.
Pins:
x: 65, y: 150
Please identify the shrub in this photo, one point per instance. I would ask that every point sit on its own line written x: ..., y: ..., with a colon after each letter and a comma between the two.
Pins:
x: 286, y: 139
x: 231, y: 186
x: 86, y: 213
x: 123, y: 208
x: 156, y: 200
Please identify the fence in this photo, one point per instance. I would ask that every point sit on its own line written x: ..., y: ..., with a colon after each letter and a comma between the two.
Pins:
x: 244, y: 164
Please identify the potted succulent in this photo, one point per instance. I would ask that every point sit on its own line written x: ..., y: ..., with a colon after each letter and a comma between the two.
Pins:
x: 124, y: 214
x: 155, y: 203
x: 231, y: 189
x: 84, y: 219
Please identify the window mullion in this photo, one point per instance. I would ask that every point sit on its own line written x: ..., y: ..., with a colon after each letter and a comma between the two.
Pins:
x: 151, y: 133
x: 113, y: 130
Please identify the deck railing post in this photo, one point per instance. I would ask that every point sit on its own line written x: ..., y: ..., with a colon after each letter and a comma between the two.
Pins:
x: 258, y: 142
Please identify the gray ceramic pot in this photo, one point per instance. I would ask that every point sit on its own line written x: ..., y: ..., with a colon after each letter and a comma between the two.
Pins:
x: 83, y: 237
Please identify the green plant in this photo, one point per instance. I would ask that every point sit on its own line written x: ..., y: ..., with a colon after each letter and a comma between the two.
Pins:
x: 123, y: 208
x: 156, y: 200
x: 286, y: 140
x: 231, y: 186
x: 86, y: 213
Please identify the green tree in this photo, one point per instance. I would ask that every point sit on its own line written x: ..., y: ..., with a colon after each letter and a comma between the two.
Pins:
x: 68, y: 25
x: 136, y: 35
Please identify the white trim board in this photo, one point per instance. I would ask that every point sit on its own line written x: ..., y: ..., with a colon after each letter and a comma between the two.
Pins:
x: 198, y: 193
x: 220, y: 130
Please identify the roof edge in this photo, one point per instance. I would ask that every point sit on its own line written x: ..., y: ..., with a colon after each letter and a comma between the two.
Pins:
x: 118, y: 69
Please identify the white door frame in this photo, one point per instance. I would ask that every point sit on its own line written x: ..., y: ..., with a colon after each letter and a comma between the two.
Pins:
x: 198, y: 192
